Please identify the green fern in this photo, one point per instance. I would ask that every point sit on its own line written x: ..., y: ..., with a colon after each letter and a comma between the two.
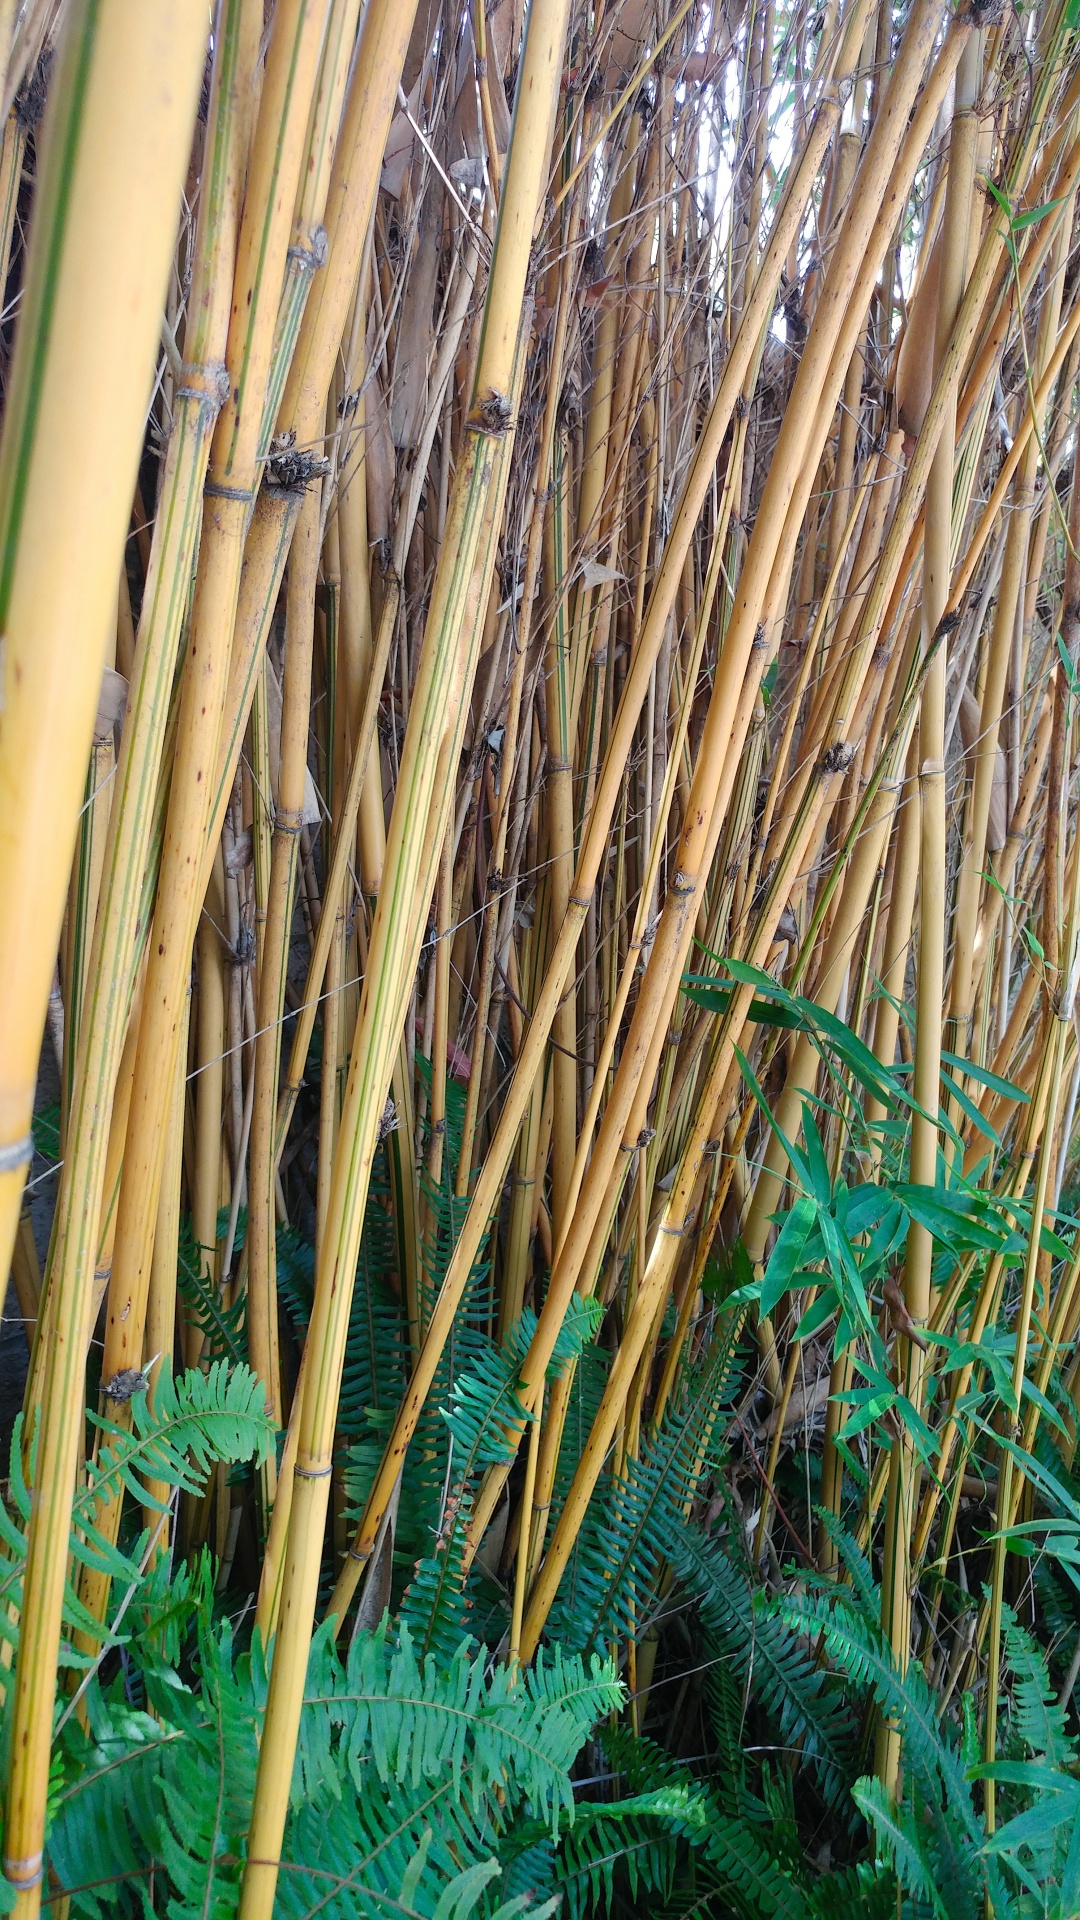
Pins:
x: 390, y: 1747
x: 743, y: 1870
x: 613, y: 1585
x: 224, y: 1329
x: 768, y: 1659
x: 862, y: 1654
x: 484, y: 1404
x: 865, y: 1890
x: 1039, y: 1718
x: 632, y: 1847
x: 196, y: 1421
x: 933, y: 1840
x: 374, y: 1374
x: 900, y: 1842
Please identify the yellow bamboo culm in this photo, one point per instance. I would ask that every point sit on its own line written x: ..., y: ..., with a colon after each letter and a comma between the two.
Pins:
x: 448, y: 661
x: 113, y: 157
x: 930, y: 1000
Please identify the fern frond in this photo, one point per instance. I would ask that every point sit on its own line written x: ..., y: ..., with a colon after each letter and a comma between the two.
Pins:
x: 898, y: 1840
x: 484, y: 1406
x: 224, y: 1329
x: 864, y: 1589
x: 865, y: 1889
x: 748, y: 1877
x: 370, y: 1855
x: 374, y: 1373
x: 506, y: 1733
x: 434, y: 1605
x: 390, y: 1749
x: 863, y: 1655
x: 764, y: 1655
x: 632, y: 1844
x: 626, y: 1540
x: 196, y: 1421
x: 1039, y: 1719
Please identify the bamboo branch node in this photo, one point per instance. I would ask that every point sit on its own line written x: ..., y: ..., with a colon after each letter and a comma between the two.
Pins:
x: 289, y: 469
x: 491, y: 415
x: 18, y: 1154
x: 29, y: 102
x: 126, y: 1384
x: 837, y: 758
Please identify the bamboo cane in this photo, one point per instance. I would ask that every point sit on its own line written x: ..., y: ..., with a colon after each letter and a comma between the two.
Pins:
x: 460, y: 584
x: 114, y: 152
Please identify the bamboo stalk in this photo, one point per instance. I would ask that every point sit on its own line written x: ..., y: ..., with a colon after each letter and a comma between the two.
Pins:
x: 930, y: 975
x: 446, y: 670
x: 114, y: 151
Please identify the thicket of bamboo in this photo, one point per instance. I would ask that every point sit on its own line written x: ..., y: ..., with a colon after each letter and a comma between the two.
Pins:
x: 540, y: 598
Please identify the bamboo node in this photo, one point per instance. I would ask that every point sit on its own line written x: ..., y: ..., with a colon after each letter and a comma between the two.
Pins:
x: 313, y: 1473
x: 314, y: 256
x: 214, y: 490
x: 25, y: 1873
x: 570, y: 411
x: 18, y: 1154
x: 206, y: 384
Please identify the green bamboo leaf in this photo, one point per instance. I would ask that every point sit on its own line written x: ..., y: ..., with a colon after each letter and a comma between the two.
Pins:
x: 787, y: 1253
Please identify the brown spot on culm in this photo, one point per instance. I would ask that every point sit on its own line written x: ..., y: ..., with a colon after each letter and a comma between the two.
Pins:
x: 491, y: 414
x: 289, y: 469
x: 838, y: 758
